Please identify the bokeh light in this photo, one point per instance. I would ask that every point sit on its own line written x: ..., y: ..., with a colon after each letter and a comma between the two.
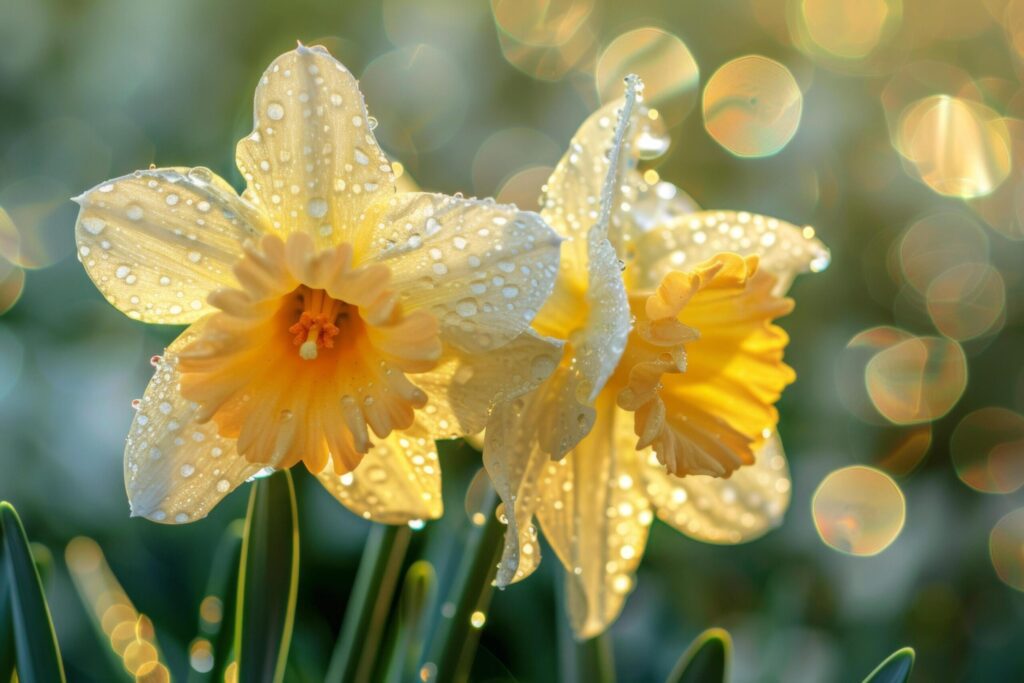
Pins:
x: 524, y: 187
x: 508, y: 151
x: 33, y: 223
x: 987, y: 448
x: 937, y: 243
x: 420, y: 93
x: 960, y: 148
x: 967, y: 301
x: 858, y: 510
x: 545, y: 39
x: 850, y: 29
x: 661, y: 59
x: 917, y: 380
x: 1006, y: 548
x: 12, y: 283
x: 752, y: 106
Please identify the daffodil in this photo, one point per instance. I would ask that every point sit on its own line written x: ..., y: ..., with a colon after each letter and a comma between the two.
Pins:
x: 332, y: 320
x: 663, y: 400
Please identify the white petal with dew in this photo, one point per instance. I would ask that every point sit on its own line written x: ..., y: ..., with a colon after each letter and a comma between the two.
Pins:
x: 311, y: 161
x: 157, y: 242
x: 175, y: 468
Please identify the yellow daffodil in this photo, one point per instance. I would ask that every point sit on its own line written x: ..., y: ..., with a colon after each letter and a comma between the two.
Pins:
x: 663, y: 400
x: 333, y: 321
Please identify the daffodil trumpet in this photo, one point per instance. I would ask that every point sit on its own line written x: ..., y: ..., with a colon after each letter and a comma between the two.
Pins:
x: 662, y: 401
x: 333, y: 320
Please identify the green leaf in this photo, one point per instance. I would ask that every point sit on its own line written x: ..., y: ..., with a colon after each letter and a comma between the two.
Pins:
x: 217, y: 610
x: 267, y: 581
x: 35, y: 644
x: 581, y: 661
x: 367, y: 610
x: 895, y: 669
x: 418, y: 591
x: 706, y: 660
x: 6, y: 626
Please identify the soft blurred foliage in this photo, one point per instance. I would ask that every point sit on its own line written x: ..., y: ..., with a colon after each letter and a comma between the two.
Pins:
x: 893, y: 127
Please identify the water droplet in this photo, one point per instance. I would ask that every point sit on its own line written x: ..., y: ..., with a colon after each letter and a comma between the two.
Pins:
x: 275, y: 112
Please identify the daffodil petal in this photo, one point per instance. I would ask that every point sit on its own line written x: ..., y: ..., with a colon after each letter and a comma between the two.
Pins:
x: 398, y: 480
x: 157, y: 242
x: 311, y: 161
x: 785, y: 250
x: 483, y: 269
x: 175, y: 468
x: 465, y: 386
x: 744, y: 507
x: 596, y: 517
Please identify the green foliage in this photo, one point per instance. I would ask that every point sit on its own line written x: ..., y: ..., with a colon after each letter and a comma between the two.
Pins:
x: 418, y: 591
x: 35, y: 644
x: 267, y: 581
x: 706, y: 660
x: 369, y: 604
x: 221, y: 586
x: 895, y: 669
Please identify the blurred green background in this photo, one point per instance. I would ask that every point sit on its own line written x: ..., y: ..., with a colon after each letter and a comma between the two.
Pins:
x: 482, y: 98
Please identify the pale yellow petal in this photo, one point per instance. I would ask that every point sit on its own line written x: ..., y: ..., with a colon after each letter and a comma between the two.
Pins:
x: 483, y: 269
x: 175, y: 468
x: 785, y: 250
x: 596, y: 517
x: 744, y: 507
x: 464, y: 386
x: 157, y: 242
x: 311, y: 161
x: 398, y: 480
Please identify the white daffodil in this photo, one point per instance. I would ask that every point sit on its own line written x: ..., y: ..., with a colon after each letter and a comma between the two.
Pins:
x: 332, y: 320
x: 663, y: 400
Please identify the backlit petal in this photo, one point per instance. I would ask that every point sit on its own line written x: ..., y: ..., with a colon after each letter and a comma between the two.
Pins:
x: 175, y: 468
x: 157, y: 242
x: 465, y: 386
x: 596, y: 517
x: 398, y: 480
x: 483, y: 269
x: 785, y: 250
x: 743, y: 507
x: 311, y: 161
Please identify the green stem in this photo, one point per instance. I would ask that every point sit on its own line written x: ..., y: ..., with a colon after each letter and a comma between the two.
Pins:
x: 451, y: 652
x: 368, y: 607
x: 581, y: 661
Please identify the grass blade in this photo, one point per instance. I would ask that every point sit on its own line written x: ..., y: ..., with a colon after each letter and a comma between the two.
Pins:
x: 6, y: 627
x: 267, y: 580
x: 211, y: 651
x: 895, y: 669
x: 706, y: 660
x: 450, y: 652
x: 418, y: 591
x: 586, y: 661
x: 35, y: 644
x: 368, y: 607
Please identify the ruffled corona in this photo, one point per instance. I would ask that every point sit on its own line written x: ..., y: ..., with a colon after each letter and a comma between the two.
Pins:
x: 707, y: 411
x: 308, y: 333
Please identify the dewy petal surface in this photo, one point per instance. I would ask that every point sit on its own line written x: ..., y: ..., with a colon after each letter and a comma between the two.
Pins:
x: 741, y: 508
x: 157, y: 242
x: 596, y: 517
x: 312, y: 162
x: 398, y: 480
x: 465, y: 386
x: 483, y: 269
x: 592, y: 314
x: 176, y: 468
x: 785, y: 250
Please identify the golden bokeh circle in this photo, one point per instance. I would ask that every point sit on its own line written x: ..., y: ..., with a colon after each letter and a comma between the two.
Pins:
x: 850, y: 29
x: 987, y: 448
x: 967, y: 301
x: 752, y: 106
x: 917, y: 380
x: 858, y: 510
x: 667, y: 67
x: 1006, y: 549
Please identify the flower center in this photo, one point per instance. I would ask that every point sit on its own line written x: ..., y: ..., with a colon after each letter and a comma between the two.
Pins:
x: 319, y: 321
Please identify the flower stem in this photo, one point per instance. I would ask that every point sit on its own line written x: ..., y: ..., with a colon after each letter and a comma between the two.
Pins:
x: 368, y: 607
x: 581, y: 661
x: 451, y: 651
